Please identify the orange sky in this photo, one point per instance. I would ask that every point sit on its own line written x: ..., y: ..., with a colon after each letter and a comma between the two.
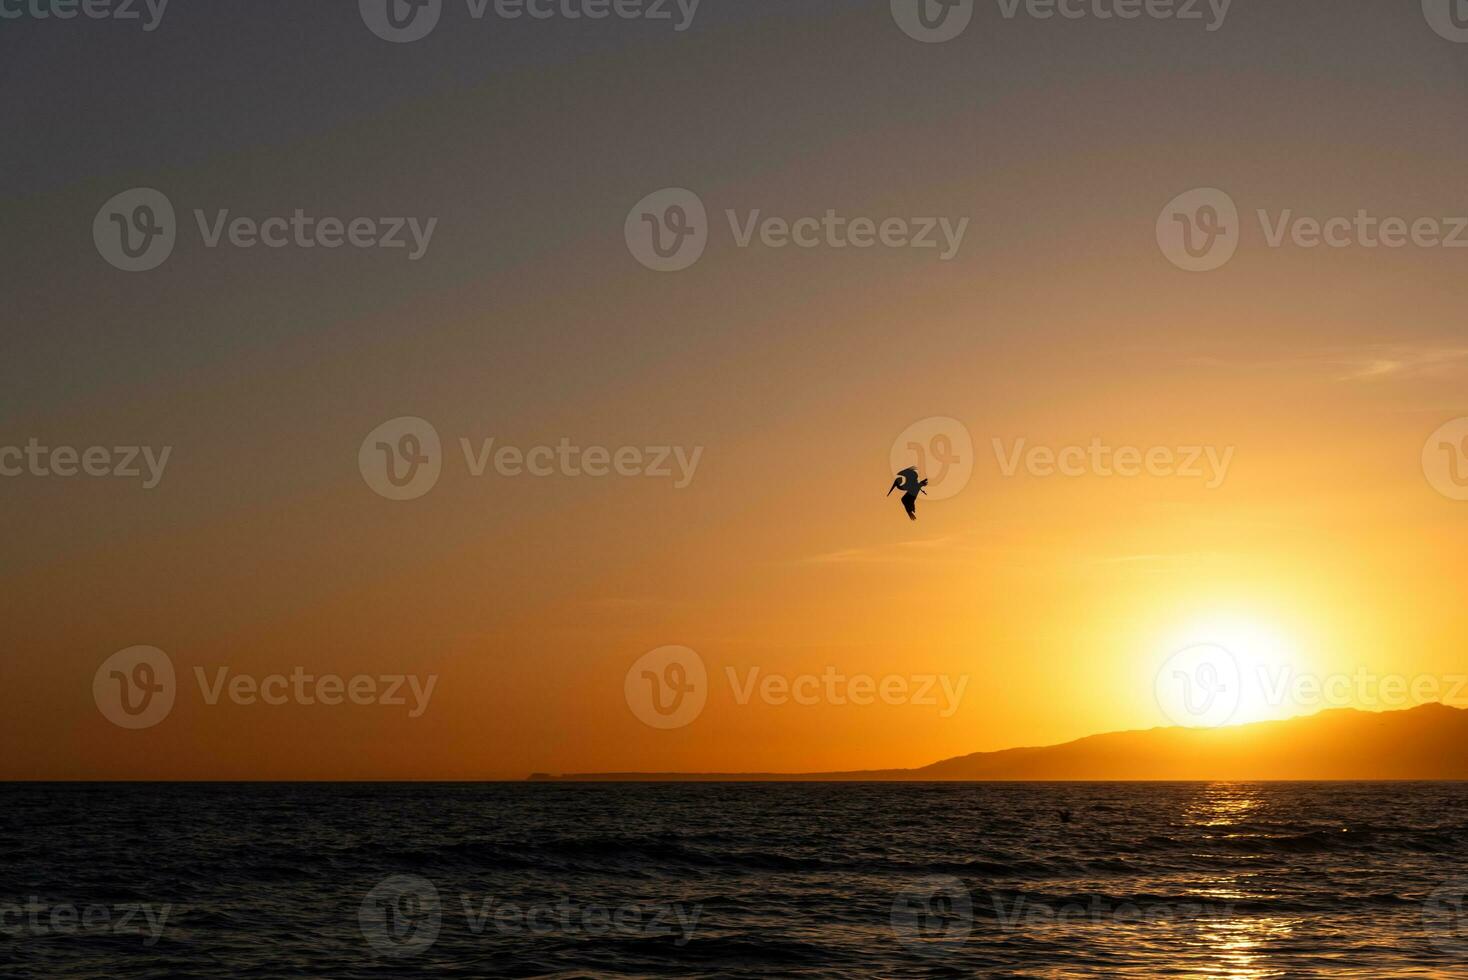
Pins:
x: 1053, y: 601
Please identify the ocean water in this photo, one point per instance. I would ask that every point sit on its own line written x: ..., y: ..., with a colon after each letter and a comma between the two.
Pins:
x: 731, y: 880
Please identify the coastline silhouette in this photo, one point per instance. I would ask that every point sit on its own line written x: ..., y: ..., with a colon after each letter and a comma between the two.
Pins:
x: 1421, y: 743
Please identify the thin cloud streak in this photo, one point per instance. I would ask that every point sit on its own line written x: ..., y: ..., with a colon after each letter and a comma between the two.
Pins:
x: 1368, y: 363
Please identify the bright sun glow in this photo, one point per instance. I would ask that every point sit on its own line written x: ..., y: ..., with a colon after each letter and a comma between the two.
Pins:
x: 1227, y: 670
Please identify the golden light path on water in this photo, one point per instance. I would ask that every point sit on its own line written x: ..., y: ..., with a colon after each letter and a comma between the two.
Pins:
x: 1232, y: 947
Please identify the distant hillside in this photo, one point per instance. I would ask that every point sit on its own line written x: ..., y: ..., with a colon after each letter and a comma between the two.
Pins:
x: 1427, y: 742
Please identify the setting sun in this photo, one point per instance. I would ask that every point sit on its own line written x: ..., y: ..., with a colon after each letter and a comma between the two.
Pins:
x: 1253, y: 655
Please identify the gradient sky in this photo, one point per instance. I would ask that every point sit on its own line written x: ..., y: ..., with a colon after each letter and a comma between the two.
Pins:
x: 529, y: 321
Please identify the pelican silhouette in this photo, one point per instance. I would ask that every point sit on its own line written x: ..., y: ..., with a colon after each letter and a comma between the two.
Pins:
x: 911, y: 486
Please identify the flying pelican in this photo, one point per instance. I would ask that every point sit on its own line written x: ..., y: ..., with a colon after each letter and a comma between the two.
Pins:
x: 911, y: 487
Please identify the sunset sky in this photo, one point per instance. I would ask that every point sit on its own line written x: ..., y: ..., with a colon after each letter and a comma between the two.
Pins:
x: 1055, y: 600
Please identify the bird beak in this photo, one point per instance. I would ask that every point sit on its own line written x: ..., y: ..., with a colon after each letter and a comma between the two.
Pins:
x: 890, y: 489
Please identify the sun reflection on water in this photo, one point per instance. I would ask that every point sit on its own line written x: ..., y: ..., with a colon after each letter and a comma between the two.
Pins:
x: 1223, y: 804
x: 1233, y: 947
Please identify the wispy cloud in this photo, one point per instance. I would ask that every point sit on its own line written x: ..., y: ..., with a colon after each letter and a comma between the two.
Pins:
x: 1371, y: 362
x: 1406, y: 362
x: 921, y: 549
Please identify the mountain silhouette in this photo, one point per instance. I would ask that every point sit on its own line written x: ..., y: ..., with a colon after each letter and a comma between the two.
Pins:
x: 1426, y: 742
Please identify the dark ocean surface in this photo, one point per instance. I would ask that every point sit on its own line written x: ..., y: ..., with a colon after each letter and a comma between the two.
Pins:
x: 814, y: 880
